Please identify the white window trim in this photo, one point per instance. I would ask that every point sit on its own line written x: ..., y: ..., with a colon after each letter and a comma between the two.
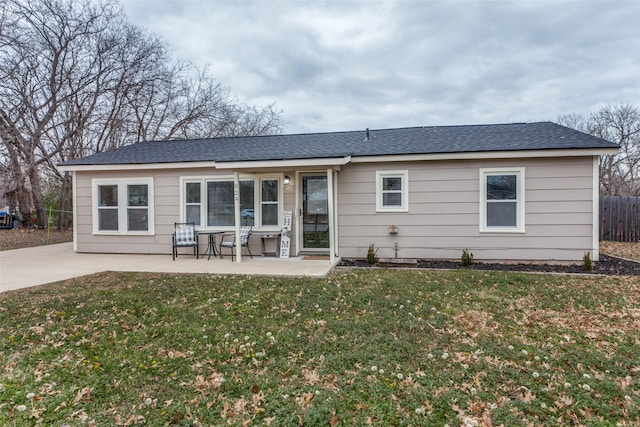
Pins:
x: 520, y: 199
x: 262, y: 203
x: 122, y: 208
x: 404, y: 174
x: 183, y: 199
x: 257, y: 213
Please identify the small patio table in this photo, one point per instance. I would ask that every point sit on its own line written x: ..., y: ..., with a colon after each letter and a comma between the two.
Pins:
x: 275, y: 236
x: 211, y: 245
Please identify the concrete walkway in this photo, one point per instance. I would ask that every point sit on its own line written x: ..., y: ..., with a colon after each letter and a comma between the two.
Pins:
x: 21, y: 268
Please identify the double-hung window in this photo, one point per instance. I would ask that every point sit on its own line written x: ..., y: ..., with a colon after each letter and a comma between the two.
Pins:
x: 209, y: 202
x: 392, y: 191
x: 137, y: 207
x: 193, y: 202
x: 269, y: 202
x: 502, y: 200
x: 107, y: 208
x: 123, y: 206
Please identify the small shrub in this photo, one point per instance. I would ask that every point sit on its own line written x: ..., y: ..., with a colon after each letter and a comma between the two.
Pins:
x: 371, y: 254
x: 587, y: 264
x: 467, y: 258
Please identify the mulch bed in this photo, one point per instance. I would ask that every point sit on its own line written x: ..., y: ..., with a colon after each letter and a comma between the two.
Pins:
x: 606, y: 265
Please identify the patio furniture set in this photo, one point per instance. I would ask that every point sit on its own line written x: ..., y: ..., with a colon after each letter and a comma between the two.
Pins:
x: 185, y: 235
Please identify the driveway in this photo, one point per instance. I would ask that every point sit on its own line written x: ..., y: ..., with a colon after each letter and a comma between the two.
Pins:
x: 21, y: 268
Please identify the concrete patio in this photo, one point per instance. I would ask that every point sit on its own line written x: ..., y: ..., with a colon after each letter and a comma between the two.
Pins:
x: 21, y: 268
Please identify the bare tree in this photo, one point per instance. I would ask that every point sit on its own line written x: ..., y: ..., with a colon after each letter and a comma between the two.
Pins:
x: 76, y: 78
x: 619, y: 173
x: 45, y: 63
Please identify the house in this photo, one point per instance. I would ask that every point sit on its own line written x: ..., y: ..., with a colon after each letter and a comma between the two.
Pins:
x: 522, y: 191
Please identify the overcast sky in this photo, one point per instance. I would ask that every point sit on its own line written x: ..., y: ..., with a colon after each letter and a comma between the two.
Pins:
x: 348, y: 65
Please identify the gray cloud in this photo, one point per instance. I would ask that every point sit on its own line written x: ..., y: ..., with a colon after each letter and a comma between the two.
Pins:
x: 343, y: 65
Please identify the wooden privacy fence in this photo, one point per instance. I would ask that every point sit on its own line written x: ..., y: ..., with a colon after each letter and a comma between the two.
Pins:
x: 620, y: 218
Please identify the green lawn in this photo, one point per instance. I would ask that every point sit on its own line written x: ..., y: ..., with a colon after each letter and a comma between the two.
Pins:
x: 384, y: 347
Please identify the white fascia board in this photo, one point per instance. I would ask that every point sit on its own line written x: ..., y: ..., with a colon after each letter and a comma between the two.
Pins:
x: 137, y: 166
x: 335, y: 161
x: 485, y: 155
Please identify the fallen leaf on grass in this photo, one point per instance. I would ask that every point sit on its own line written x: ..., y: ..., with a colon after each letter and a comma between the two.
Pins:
x: 175, y: 354
x: 305, y: 400
x: 83, y: 395
x: 133, y: 419
x: 258, y: 399
x: 226, y: 412
x: 527, y: 396
x: 564, y: 400
x: 215, y: 380
x: 334, y: 420
x: 310, y: 376
x: 623, y: 383
x: 36, y: 413
x: 81, y: 415
x: 486, y: 418
x: 240, y: 405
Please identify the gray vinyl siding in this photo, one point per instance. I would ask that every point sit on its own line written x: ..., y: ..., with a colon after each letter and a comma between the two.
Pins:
x: 166, y: 213
x: 444, y: 211
x: 443, y: 216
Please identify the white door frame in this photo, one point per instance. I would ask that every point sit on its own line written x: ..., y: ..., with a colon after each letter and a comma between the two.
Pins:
x: 299, y: 204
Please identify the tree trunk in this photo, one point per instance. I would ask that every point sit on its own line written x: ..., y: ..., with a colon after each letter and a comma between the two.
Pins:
x: 24, y: 201
x: 63, y: 217
x: 38, y: 198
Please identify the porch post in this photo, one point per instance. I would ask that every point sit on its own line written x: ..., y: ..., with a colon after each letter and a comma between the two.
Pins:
x: 236, y: 210
x: 330, y: 207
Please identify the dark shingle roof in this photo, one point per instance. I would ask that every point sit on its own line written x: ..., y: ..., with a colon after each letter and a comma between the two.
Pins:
x: 415, y: 140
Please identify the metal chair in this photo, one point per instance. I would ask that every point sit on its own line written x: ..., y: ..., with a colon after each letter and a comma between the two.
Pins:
x: 245, y: 232
x: 185, y: 236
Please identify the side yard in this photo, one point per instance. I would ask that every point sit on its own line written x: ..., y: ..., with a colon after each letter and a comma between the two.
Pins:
x: 17, y: 238
x: 621, y: 249
x: 382, y: 347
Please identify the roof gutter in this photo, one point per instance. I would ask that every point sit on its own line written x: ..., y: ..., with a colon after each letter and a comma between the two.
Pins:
x: 336, y: 161
x: 483, y: 155
x: 135, y: 166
